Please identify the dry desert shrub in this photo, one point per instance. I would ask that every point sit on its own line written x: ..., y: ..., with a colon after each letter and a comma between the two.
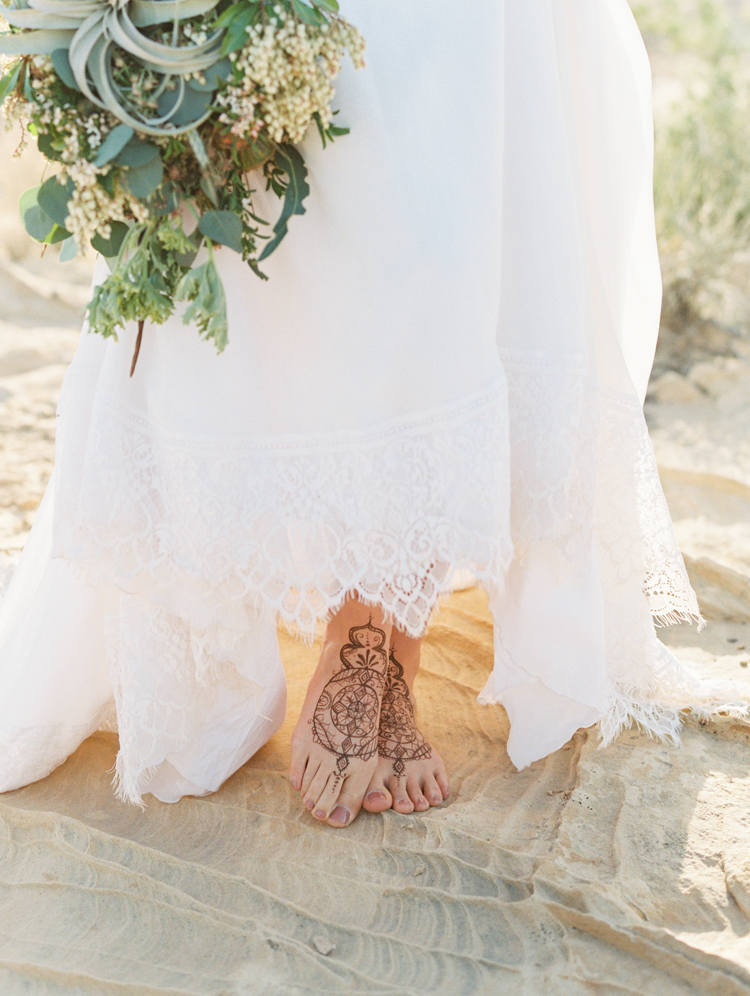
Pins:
x: 701, y: 54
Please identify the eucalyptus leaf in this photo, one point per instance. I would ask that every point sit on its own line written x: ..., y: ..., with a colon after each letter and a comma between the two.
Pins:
x: 331, y: 5
x: 142, y: 181
x: 113, y: 144
x: 9, y: 81
x: 53, y: 199
x: 38, y: 224
x: 136, y: 152
x: 36, y: 221
x: 58, y: 234
x: 47, y: 145
x: 214, y: 76
x: 61, y: 62
x: 28, y: 199
x: 184, y: 105
x: 111, y: 246
x: 107, y: 181
x: 222, y: 226
x: 68, y: 250
x: 41, y: 227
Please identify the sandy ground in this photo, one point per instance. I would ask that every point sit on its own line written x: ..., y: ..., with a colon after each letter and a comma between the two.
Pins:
x: 625, y: 871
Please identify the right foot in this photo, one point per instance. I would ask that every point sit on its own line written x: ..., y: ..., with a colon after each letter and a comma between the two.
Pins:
x: 335, y: 743
x: 410, y: 775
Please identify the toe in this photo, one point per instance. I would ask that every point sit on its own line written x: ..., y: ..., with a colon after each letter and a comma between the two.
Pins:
x: 432, y: 791
x: 346, y: 809
x: 415, y: 795
x: 328, y: 799
x: 297, y: 773
x: 377, y: 800
x: 442, y: 779
x: 377, y: 797
x: 401, y: 801
x: 311, y: 770
x: 314, y: 796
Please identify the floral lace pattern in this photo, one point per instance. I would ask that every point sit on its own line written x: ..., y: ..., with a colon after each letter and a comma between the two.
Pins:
x: 207, y: 527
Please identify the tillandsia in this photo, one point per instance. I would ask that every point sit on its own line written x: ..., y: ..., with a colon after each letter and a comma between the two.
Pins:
x: 164, y: 117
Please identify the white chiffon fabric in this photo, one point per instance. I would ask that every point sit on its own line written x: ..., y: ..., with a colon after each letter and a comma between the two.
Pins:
x: 444, y: 372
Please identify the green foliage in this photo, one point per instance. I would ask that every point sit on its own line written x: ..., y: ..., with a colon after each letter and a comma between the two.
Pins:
x: 208, y: 308
x: 53, y: 199
x: 223, y: 227
x: 702, y: 167
x: 114, y: 144
x: 37, y: 222
x: 294, y: 190
x: 141, y: 285
x: 205, y: 168
x: 110, y: 247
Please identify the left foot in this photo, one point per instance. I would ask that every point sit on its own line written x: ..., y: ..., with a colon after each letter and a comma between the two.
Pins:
x: 410, y: 775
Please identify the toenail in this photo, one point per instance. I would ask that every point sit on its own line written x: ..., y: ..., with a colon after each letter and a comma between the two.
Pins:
x: 309, y: 804
x: 377, y: 797
x: 437, y: 799
x: 294, y: 784
x: 341, y: 815
x: 319, y: 814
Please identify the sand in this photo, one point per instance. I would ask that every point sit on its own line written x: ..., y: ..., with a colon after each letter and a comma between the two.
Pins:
x: 617, y: 871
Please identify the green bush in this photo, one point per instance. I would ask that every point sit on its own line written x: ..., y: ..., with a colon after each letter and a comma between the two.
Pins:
x: 702, y: 169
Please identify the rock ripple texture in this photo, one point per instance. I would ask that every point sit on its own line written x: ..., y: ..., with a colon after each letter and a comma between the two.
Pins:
x: 545, y: 882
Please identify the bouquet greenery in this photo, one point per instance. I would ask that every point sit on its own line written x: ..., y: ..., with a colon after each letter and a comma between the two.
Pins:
x: 163, y: 117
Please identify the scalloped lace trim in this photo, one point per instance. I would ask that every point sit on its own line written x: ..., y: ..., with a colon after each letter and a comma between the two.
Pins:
x: 209, y: 527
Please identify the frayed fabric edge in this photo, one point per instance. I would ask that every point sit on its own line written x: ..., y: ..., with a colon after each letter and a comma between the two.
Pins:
x: 674, y: 617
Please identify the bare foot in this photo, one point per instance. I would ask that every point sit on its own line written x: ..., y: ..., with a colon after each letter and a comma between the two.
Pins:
x: 410, y: 775
x: 335, y: 742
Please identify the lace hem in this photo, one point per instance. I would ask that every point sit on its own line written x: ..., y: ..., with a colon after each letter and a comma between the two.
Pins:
x: 210, y: 527
x: 293, y: 525
x: 672, y: 690
x: 202, y: 538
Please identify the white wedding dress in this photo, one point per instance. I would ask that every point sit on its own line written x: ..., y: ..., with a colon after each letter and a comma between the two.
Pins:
x: 445, y: 371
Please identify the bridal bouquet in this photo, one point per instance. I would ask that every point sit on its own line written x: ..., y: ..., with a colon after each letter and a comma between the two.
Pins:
x: 162, y: 117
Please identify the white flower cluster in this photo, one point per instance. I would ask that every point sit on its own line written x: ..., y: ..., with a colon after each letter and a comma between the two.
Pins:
x: 91, y: 210
x: 287, y: 71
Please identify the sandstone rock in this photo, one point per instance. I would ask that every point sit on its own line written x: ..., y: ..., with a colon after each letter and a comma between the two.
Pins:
x: 722, y: 593
x: 674, y: 389
x: 727, y: 379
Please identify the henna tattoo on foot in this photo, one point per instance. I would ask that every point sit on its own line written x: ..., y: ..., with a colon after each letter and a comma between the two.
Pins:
x: 398, y: 737
x: 347, y: 714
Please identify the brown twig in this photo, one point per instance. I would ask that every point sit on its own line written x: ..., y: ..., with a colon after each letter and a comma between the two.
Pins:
x: 137, y: 346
